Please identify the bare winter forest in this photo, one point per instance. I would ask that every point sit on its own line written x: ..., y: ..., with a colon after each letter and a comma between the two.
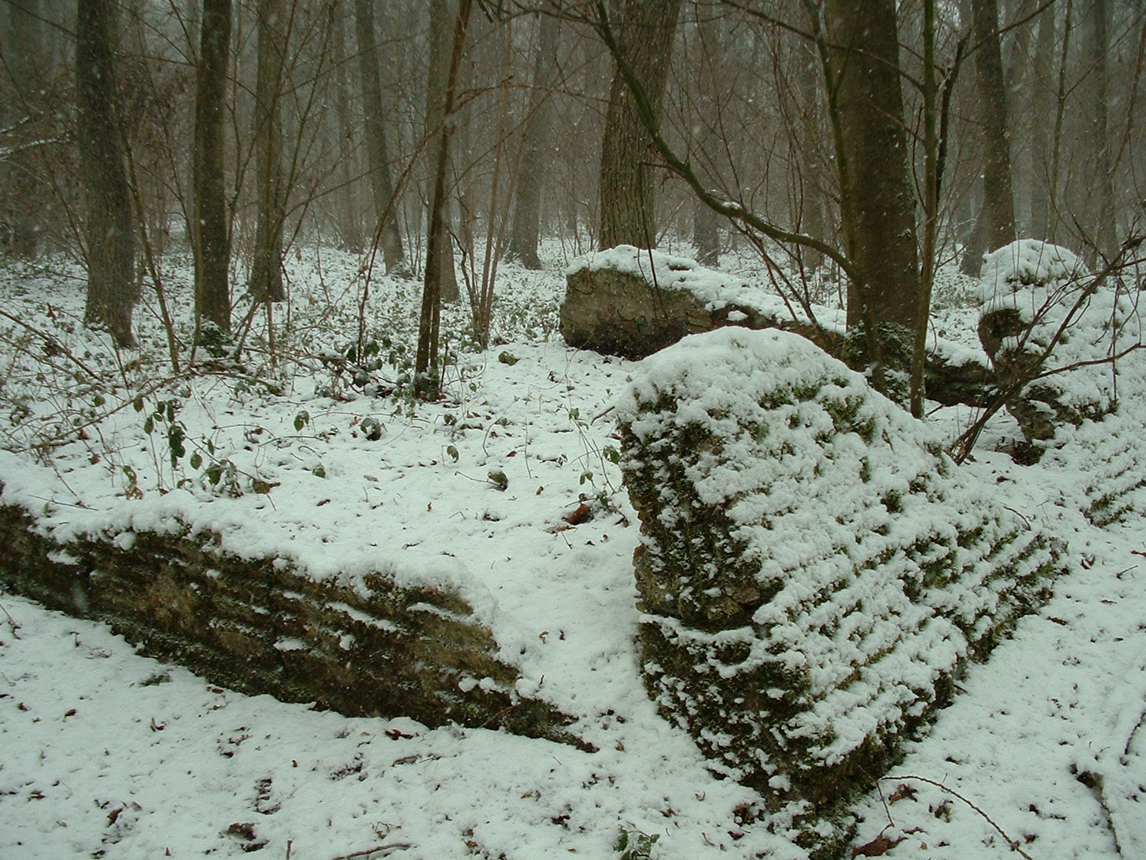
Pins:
x: 872, y: 142
x: 622, y: 428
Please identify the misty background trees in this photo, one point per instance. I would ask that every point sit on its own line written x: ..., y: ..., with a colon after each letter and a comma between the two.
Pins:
x: 868, y: 143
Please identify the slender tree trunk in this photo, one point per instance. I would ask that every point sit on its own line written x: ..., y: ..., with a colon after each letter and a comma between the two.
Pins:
x: 877, y: 195
x: 531, y: 173
x: 707, y: 85
x: 209, y: 229
x: 377, y: 158
x: 998, y: 196
x: 112, y: 286
x: 349, y: 223
x: 627, y: 213
x: 814, y: 221
x: 1042, y: 99
x: 437, y: 134
x: 266, y: 272
x: 426, y: 361
x: 25, y: 54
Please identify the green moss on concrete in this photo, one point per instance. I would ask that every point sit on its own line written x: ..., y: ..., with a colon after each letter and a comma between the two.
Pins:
x: 261, y: 626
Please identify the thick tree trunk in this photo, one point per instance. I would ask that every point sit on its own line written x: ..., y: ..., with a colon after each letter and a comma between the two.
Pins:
x: 266, y: 271
x: 112, y: 286
x: 877, y: 195
x: 627, y: 215
x: 531, y: 173
x: 998, y: 195
x: 377, y: 158
x: 209, y: 228
x: 1100, y: 198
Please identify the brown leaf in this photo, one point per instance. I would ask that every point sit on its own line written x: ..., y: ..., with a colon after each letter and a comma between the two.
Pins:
x: 582, y: 514
x: 876, y: 848
x: 903, y: 792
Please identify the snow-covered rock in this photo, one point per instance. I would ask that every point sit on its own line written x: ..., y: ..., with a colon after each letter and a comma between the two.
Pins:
x: 1052, y: 331
x: 632, y: 302
x: 813, y: 569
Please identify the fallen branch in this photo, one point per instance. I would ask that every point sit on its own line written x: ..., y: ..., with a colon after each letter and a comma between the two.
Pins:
x: 371, y: 852
x: 1013, y: 844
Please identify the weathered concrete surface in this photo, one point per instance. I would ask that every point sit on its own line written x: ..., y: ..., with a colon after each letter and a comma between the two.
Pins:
x: 814, y: 572
x: 259, y: 626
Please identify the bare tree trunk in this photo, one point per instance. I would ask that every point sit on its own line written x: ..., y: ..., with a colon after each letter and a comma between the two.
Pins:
x: 627, y: 215
x: 266, y: 271
x: 349, y: 223
x: 877, y: 195
x: 25, y: 54
x: 998, y: 195
x: 976, y: 245
x: 437, y: 133
x: 1042, y: 98
x: 377, y: 159
x: 814, y: 221
x: 426, y: 361
x: 112, y: 286
x: 532, y: 170
x: 209, y: 229
x: 707, y: 84
x: 1101, y: 214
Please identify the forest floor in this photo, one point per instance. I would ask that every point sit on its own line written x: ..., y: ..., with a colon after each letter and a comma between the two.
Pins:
x: 106, y: 753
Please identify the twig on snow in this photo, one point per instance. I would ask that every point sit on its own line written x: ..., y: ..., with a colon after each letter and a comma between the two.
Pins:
x: 377, y: 850
x: 11, y: 622
x: 1013, y: 844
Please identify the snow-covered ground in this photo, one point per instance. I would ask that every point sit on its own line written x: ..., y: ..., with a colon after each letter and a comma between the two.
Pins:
x: 104, y: 753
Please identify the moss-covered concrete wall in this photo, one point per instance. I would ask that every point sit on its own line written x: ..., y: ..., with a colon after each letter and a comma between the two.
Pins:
x: 260, y: 626
x: 813, y: 571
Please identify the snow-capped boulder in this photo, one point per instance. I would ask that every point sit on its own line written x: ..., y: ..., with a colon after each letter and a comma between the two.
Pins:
x: 632, y: 302
x: 1042, y: 311
x: 813, y: 570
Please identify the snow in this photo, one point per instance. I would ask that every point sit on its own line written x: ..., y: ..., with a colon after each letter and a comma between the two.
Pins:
x: 1054, y: 294
x: 717, y: 289
x: 107, y: 753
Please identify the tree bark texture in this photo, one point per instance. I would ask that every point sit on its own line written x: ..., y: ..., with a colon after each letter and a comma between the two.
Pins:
x: 112, y: 287
x: 998, y: 194
x: 426, y: 361
x: 531, y: 173
x: 22, y: 196
x: 1042, y: 194
x: 377, y: 157
x: 645, y: 37
x: 211, y: 240
x: 877, y: 195
x: 349, y: 223
x: 267, y: 270
x: 437, y: 136
x: 1100, y: 199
